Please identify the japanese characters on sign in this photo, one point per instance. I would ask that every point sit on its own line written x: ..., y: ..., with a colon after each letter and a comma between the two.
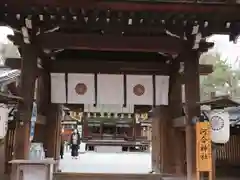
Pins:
x: 203, y: 147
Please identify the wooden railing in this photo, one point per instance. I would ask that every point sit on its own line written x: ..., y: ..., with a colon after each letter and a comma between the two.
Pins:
x: 229, y: 154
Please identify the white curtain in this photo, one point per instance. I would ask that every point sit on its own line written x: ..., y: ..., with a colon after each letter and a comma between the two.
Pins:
x: 58, y: 88
x: 87, y: 97
x: 110, y: 89
x: 144, y: 81
x: 162, y: 89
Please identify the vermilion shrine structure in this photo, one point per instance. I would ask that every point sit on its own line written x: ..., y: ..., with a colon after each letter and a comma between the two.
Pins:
x: 117, y: 37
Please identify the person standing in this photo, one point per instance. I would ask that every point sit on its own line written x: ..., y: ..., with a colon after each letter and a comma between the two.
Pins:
x: 75, y: 142
x: 62, y: 147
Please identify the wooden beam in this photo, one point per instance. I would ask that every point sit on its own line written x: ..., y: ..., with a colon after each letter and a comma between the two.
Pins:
x: 96, y: 66
x: 157, y: 125
x: 174, y: 6
x: 179, y: 122
x: 52, y: 132
x: 165, y: 44
x: 192, y: 96
x: 43, y: 92
x: 41, y: 119
x: 176, y: 136
x: 27, y: 87
x: 205, y: 69
x: 136, y: 67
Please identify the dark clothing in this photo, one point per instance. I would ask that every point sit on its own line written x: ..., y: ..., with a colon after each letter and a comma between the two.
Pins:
x: 74, y: 152
x: 75, y: 142
x: 62, y: 147
x: 62, y: 150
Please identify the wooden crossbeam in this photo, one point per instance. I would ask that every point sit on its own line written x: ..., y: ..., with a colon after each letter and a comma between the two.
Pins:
x: 168, y: 6
x: 112, y: 67
x: 165, y: 44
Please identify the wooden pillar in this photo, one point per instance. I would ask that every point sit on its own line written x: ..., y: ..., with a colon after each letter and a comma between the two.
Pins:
x: 192, y: 96
x: 166, y: 140
x: 156, y: 140
x: 175, y: 97
x: 166, y: 158
x: 53, y: 131
x: 43, y: 100
x: 162, y: 136
x: 27, y: 87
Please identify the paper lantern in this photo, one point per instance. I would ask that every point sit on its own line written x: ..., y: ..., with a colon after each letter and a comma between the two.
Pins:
x: 3, y: 120
x: 220, y: 125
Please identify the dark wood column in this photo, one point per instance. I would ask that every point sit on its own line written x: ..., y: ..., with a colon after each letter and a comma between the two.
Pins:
x: 175, y: 103
x: 53, y: 131
x: 166, y: 158
x: 156, y: 140
x: 166, y: 140
x: 43, y: 101
x: 27, y: 87
x: 49, y: 132
x: 192, y: 96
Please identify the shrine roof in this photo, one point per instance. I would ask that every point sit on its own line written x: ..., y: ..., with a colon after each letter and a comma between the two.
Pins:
x: 212, y: 16
x: 221, y: 102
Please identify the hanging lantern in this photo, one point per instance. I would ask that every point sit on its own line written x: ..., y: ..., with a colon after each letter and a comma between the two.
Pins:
x: 129, y: 116
x: 220, y: 125
x: 80, y: 116
x: 94, y: 115
x: 122, y: 116
x: 144, y: 116
x: 115, y: 115
x: 137, y: 116
x: 109, y: 115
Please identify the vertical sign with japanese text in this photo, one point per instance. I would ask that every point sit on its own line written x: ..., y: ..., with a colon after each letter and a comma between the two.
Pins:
x: 203, y: 147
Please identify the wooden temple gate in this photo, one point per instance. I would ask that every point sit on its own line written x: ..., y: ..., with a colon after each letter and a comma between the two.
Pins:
x: 155, y: 38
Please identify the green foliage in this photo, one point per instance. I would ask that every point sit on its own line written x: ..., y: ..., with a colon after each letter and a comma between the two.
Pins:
x: 223, y: 78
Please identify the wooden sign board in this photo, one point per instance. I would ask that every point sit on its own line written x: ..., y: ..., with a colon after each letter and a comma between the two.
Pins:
x: 203, y: 147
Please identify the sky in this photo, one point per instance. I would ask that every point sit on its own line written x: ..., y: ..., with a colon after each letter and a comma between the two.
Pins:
x: 228, y: 50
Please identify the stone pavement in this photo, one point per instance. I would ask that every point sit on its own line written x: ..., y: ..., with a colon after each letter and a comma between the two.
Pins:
x: 92, y: 162
x: 126, y: 162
